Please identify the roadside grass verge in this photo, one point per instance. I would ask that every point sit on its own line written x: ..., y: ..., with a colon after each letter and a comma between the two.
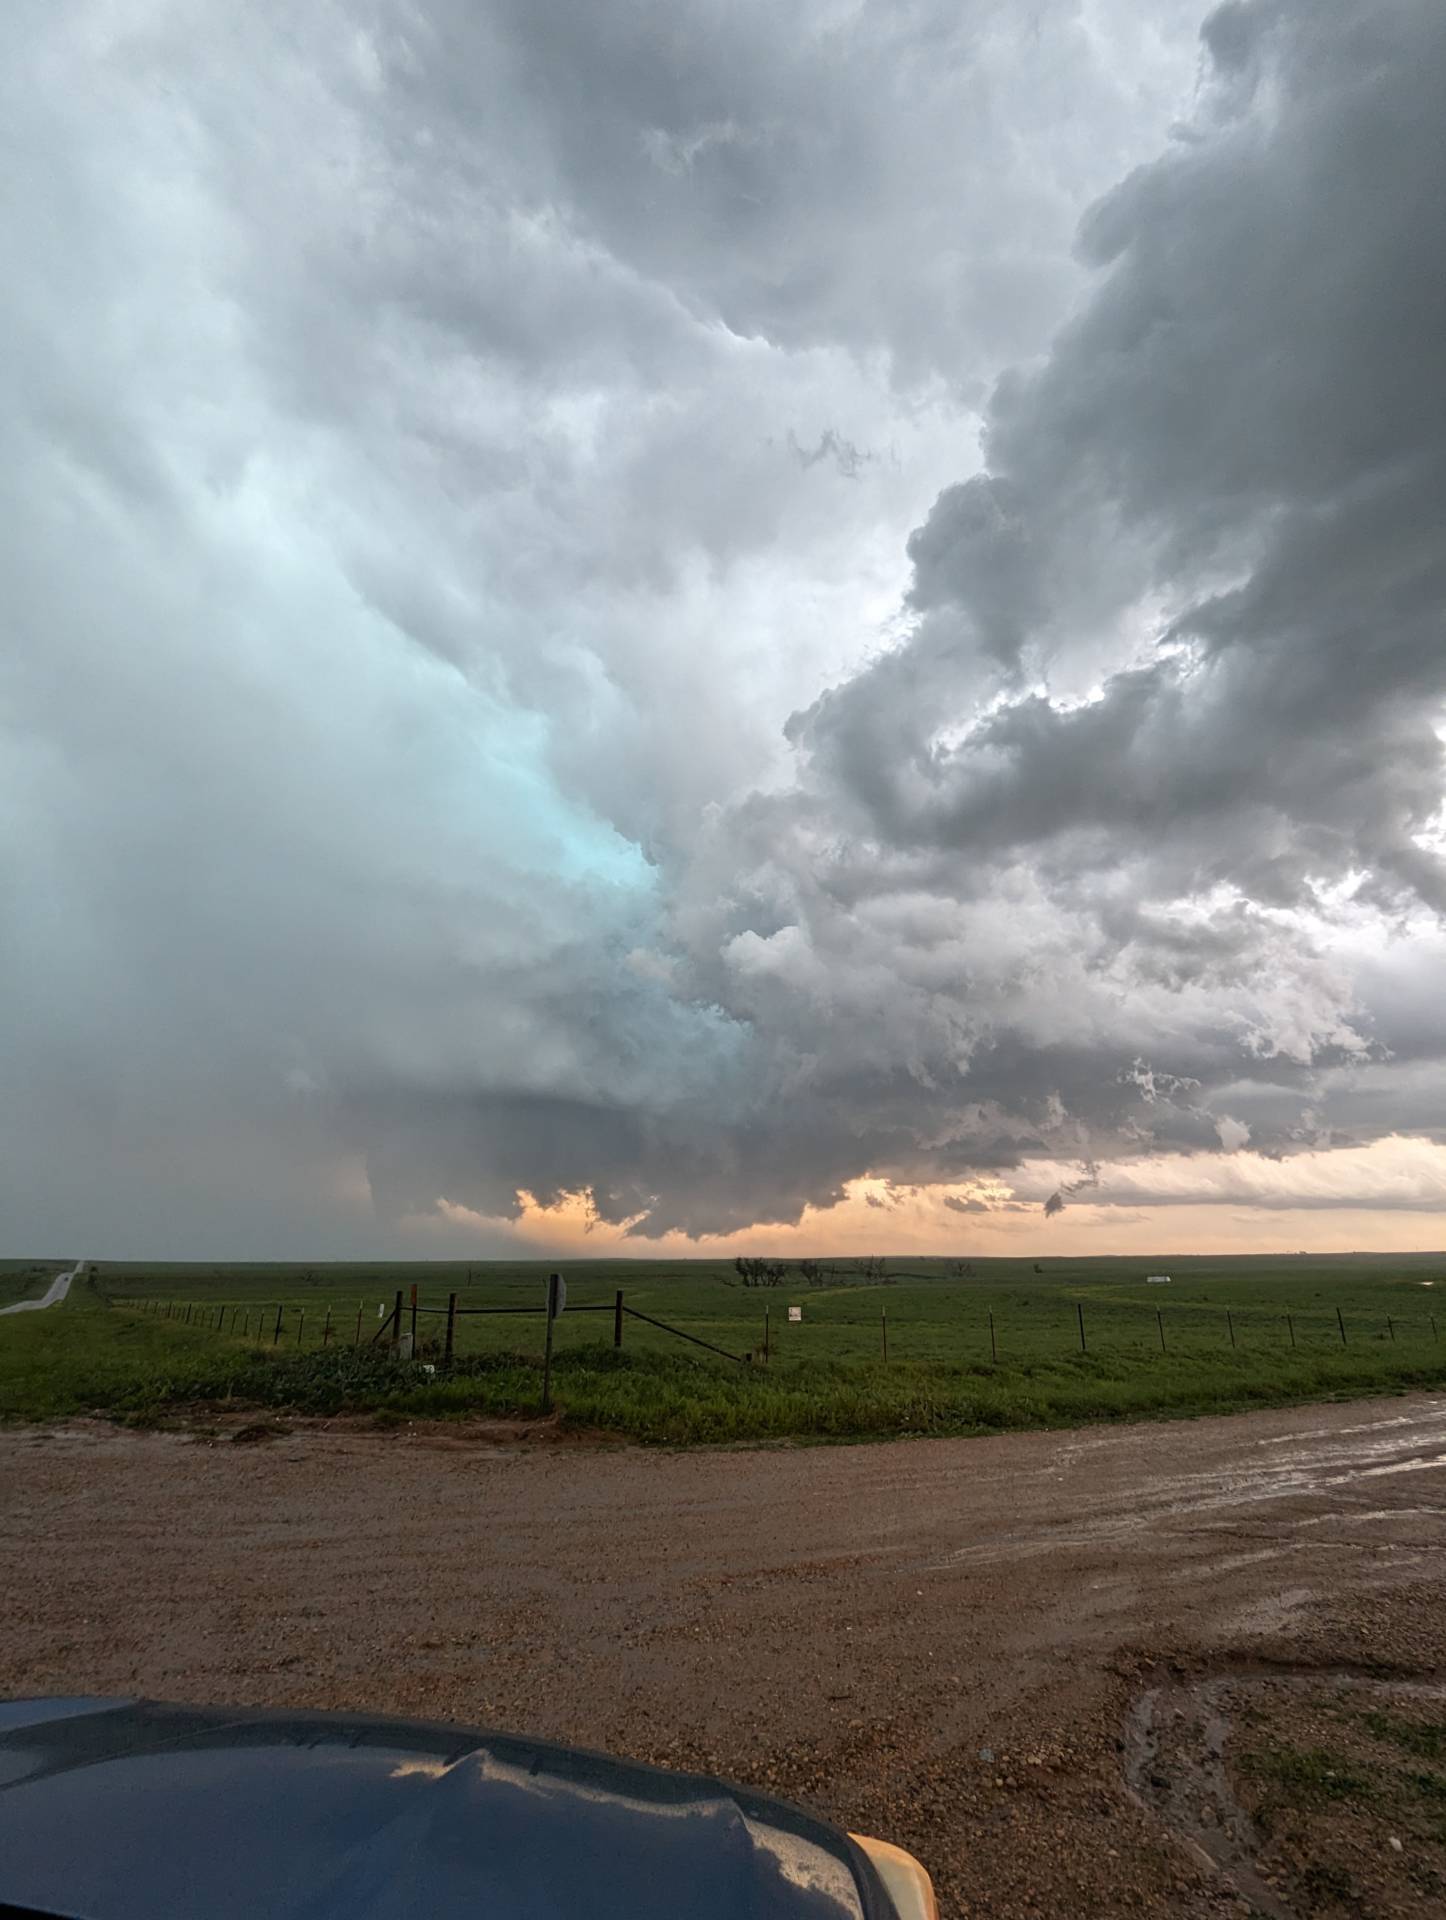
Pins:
x: 89, y: 1356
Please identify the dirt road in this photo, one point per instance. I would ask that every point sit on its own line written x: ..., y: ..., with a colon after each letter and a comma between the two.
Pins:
x: 940, y: 1641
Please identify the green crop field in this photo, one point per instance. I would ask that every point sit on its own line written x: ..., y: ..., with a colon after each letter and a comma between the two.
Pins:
x: 1070, y: 1341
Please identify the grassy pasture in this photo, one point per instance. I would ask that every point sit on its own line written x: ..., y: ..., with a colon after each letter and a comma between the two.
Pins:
x: 108, y: 1349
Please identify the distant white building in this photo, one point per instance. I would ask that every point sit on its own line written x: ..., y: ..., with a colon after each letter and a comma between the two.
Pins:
x: 1157, y: 1279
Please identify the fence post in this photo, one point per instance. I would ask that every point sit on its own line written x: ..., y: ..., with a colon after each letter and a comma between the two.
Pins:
x: 884, y: 1329
x: 326, y: 1329
x: 765, y: 1330
x: 993, y: 1349
x: 1231, y: 1325
x: 246, y: 1324
x: 414, y: 1319
x: 300, y: 1325
x: 356, y: 1337
x: 1079, y: 1309
x: 1160, y: 1322
x: 220, y: 1318
x: 1434, y: 1334
x: 1342, y: 1325
x: 188, y: 1313
x: 1290, y: 1327
x: 1390, y: 1326
x: 276, y: 1335
x: 552, y: 1280
x: 397, y: 1322
x: 618, y: 1318
x: 451, y: 1324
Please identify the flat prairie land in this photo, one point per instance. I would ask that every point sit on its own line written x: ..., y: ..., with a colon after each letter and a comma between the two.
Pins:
x: 935, y: 1347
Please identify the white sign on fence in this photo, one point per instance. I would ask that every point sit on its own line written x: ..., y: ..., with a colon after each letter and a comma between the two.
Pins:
x: 795, y: 1313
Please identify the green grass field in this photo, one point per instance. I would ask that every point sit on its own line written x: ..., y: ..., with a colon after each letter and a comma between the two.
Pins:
x: 1226, y: 1333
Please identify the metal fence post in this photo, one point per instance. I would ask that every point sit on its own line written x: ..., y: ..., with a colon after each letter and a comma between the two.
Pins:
x: 1079, y: 1309
x: 1231, y: 1325
x: 618, y: 1318
x: 1290, y: 1328
x: 356, y: 1337
x: 1390, y: 1326
x: 993, y: 1345
x: 1342, y: 1325
x: 884, y: 1329
x: 326, y: 1329
x: 1160, y: 1323
x: 414, y: 1319
x: 300, y: 1325
x: 397, y: 1321
x: 276, y: 1335
x: 451, y: 1324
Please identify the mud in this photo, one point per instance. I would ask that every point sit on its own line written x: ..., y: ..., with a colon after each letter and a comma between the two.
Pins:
x: 965, y: 1646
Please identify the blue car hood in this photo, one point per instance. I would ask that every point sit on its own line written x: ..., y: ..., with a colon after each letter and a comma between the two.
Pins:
x: 134, y: 1810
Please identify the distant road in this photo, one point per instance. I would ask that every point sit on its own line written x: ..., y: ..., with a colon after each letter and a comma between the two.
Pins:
x: 56, y: 1291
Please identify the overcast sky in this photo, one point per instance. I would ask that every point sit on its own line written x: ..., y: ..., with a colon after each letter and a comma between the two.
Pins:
x: 664, y: 624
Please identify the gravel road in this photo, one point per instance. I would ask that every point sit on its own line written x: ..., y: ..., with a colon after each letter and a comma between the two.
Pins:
x: 938, y: 1641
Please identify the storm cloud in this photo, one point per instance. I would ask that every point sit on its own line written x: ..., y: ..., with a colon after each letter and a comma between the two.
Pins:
x: 682, y: 605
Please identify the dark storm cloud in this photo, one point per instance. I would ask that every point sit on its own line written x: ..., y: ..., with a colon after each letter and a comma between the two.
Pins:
x: 1176, y: 678
x: 444, y: 443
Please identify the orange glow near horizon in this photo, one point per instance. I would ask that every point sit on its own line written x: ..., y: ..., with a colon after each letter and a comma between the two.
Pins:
x: 1392, y: 1200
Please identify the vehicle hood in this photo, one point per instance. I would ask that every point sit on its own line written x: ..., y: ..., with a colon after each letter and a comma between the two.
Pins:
x: 132, y: 1810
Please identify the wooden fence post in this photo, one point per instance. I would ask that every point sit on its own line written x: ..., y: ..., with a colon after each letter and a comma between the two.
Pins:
x: 1231, y: 1325
x: 276, y: 1335
x: 618, y: 1318
x: 1290, y: 1328
x: 552, y: 1280
x: 326, y: 1329
x: 993, y: 1348
x: 1079, y: 1309
x: 451, y: 1324
x: 1342, y: 1325
x: 300, y: 1325
x: 884, y: 1329
x: 1390, y: 1326
x: 1160, y: 1322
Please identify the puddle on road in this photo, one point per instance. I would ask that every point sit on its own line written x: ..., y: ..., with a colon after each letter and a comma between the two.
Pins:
x: 1339, y: 1458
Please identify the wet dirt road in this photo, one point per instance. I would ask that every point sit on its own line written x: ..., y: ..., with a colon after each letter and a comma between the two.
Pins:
x: 939, y: 1641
